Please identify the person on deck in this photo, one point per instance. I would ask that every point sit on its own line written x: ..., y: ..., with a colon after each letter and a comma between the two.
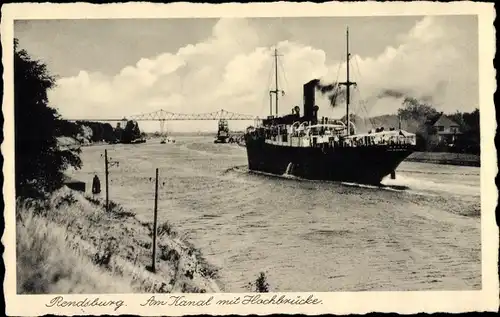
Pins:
x: 96, y: 185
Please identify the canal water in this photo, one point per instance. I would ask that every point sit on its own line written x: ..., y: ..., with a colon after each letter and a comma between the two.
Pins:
x: 420, y: 232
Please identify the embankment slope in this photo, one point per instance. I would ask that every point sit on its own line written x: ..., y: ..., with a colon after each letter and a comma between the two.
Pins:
x: 72, y: 245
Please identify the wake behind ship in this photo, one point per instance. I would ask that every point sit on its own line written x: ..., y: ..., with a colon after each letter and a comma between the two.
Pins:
x: 324, y: 149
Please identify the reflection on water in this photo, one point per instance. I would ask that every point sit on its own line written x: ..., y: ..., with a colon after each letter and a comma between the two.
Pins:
x: 420, y: 231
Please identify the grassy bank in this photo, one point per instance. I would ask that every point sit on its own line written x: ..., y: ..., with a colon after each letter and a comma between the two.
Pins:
x: 72, y: 245
x: 446, y: 158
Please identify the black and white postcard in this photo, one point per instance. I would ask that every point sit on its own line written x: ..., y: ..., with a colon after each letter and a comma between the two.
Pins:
x: 249, y: 158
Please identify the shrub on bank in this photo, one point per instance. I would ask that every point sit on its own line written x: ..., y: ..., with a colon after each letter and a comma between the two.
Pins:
x: 260, y: 285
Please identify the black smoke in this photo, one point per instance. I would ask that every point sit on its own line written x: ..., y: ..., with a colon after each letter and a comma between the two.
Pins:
x: 401, y: 94
x: 333, y: 91
x: 391, y: 93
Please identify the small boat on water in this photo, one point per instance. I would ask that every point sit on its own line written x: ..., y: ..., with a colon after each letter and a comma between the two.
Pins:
x: 324, y: 149
x: 223, y: 135
x: 164, y: 134
x: 167, y: 140
x: 138, y: 141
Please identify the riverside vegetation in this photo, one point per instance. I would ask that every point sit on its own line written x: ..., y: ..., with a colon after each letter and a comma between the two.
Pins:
x: 70, y: 244
x: 66, y: 242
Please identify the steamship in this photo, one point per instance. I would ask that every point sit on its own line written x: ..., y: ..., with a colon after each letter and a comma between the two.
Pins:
x: 324, y: 149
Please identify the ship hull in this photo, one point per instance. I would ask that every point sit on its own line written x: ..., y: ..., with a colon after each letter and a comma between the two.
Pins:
x: 367, y: 165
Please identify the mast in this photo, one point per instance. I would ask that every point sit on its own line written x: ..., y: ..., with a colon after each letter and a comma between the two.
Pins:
x: 276, y: 90
x: 348, y: 84
x: 270, y: 103
x: 276, y: 77
x: 348, y: 92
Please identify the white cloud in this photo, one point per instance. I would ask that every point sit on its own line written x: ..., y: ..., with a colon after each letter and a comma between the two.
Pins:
x: 231, y: 70
x: 429, y: 63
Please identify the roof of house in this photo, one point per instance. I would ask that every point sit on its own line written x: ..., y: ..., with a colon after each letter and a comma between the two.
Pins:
x: 445, y: 121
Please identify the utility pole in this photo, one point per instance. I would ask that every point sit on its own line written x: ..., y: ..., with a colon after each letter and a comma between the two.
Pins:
x: 106, y: 173
x: 155, y: 217
x: 107, y: 164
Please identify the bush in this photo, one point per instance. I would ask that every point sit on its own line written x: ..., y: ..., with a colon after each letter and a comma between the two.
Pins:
x: 67, y: 200
x: 165, y: 228
x: 118, y: 210
x: 106, y: 250
x: 260, y: 285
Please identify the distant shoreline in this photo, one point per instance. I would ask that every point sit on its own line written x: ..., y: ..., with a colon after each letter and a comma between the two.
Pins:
x: 446, y: 158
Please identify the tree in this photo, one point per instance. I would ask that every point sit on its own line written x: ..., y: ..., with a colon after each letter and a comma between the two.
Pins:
x: 39, y: 161
x: 131, y: 132
x: 118, y: 132
x: 108, y: 133
x: 413, y: 109
x: 66, y: 128
x: 458, y: 117
x: 470, y: 140
x: 420, y: 116
x: 471, y: 120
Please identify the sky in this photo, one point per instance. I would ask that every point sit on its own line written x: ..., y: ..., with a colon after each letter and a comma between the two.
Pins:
x: 120, y: 67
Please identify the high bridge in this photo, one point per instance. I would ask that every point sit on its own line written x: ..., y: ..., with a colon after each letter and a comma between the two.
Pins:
x: 162, y: 116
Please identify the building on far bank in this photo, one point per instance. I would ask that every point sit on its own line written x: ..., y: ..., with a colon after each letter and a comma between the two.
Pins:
x: 446, y: 130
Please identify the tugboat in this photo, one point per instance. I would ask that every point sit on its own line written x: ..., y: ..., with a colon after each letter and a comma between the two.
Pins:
x: 223, y: 132
x: 165, y: 138
x: 324, y: 149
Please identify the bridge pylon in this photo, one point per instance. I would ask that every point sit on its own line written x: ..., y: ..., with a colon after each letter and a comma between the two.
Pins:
x: 162, y: 127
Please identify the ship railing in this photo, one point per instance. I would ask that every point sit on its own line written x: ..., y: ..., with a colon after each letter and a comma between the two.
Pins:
x: 336, y: 141
x: 376, y: 140
x: 295, y: 125
x: 325, y: 129
x: 402, y: 140
x: 296, y: 129
x: 305, y: 128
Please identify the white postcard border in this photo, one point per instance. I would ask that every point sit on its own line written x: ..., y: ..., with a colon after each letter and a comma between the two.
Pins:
x: 486, y: 299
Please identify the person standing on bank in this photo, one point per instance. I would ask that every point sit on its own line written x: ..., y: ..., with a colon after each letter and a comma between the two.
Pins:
x: 96, y: 185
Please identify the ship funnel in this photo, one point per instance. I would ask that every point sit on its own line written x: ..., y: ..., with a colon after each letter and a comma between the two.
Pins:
x: 310, y: 109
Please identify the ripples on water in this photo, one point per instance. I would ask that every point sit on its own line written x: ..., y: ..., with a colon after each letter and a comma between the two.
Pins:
x: 418, y: 232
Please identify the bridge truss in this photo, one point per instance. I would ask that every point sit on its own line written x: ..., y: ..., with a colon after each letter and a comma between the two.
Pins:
x: 162, y: 116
